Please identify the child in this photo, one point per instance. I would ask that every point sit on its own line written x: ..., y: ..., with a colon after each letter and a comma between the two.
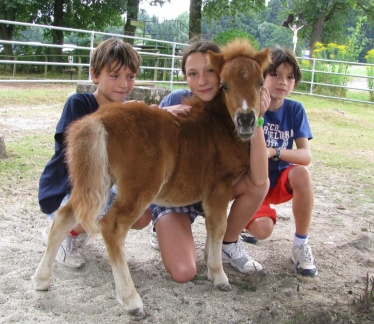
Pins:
x: 173, y: 225
x: 285, y: 122
x: 113, y: 69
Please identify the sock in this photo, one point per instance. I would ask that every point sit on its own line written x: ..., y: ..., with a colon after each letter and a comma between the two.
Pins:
x: 74, y: 233
x: 299, y: 240
x: 226, y: 243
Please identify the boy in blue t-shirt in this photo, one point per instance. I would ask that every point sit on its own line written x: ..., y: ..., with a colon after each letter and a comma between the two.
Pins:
x: 286, y: 123
x: 113, y: 69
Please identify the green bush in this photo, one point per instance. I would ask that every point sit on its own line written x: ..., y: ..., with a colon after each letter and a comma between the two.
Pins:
x: 306, y: 75
x: 331, y: 52
x: 231, y: 34
x: 370, y: 72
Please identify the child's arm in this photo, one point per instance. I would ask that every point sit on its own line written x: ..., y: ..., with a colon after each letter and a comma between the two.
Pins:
x: 301, y: 155
x: 258, y: 159
x: 178, y: 109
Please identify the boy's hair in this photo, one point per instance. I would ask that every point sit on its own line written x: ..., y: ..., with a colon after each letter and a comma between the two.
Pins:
x: 281, y: 55
x: 113, y: 54
x: 198, y: 47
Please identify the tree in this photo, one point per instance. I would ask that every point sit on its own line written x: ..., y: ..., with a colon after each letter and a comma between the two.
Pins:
x: 327, y: 18
x: 84, y: 14
x: 195, y: 18
x: 213, y: 10
x: 15, y: 10
x: 132, y: 15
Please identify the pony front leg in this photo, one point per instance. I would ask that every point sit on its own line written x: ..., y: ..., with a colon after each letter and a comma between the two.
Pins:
x: 63, y: 223
x: 216, y: 223
x: 114, y: 231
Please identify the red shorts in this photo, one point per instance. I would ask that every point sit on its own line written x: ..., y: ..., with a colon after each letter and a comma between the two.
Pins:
x: 275, y: 196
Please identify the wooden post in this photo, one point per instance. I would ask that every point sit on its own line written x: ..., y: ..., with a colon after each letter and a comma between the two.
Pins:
x: 156, y: 65
x: 3, y: 154
x: 45, y: 67
x: 79, y: 68
x: 14, y: 67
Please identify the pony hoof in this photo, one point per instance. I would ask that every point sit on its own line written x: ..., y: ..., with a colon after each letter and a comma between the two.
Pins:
x: 40, y: 284
x: 224, y: 287
x: 138, y: 312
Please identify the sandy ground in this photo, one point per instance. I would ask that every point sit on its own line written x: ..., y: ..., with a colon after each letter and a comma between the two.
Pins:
x: 342, y: 238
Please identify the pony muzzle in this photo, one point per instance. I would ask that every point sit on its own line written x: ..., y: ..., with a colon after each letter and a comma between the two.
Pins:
x: 245, y: 123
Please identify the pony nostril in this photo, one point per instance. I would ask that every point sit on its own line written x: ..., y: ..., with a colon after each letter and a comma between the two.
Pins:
x: 246, y: 119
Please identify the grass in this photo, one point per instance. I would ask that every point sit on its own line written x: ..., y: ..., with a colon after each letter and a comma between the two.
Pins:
x: 343, y: 133
x: 34, y: 94
x: 358, y: 70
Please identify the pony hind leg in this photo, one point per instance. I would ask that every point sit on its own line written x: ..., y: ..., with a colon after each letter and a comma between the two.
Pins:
x: 63, y: 223
x: 114, y: 228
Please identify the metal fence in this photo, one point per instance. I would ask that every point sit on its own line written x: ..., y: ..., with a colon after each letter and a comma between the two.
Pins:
x: 160, y: 59
x: 161, y: 65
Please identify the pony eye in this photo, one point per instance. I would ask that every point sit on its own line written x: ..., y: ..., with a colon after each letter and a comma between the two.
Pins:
x: 224, y: 86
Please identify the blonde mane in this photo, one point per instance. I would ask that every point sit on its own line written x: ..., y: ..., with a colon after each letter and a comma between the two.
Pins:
x: 238, y: 47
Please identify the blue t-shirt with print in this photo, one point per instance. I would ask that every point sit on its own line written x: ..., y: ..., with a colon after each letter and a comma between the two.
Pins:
x: 281, y: 129
x: 54, y: 182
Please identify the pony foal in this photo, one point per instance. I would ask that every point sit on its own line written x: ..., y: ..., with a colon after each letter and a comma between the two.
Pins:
x: 150, y: 155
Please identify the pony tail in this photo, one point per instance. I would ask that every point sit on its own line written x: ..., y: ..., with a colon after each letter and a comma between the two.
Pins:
x: 87, y: 159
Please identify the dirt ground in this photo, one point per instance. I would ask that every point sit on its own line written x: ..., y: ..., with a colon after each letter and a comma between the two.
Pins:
x: 342, y: 239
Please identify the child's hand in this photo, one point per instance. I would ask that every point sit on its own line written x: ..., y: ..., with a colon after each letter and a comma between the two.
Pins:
x: 265, y: 100
x: 271, y: 152
x: 178, y: 109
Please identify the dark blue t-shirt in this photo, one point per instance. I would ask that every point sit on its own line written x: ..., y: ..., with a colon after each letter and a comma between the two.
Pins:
x: 281, y: 129
x: 54, y: 181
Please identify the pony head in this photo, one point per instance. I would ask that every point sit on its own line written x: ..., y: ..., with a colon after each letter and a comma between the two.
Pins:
x: 241, y: 68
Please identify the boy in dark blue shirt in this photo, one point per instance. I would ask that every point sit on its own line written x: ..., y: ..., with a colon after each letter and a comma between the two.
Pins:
x: 113, y: 69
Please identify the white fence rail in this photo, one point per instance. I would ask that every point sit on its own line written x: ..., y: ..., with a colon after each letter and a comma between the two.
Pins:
x: 161, y: 65
x: 160, y: 59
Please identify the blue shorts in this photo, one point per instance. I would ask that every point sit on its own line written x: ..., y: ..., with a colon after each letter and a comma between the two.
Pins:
x: 192, y: 210
x: 112, y: 196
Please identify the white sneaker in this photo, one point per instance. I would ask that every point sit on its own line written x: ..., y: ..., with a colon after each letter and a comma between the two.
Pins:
x: 68, y: 253
x: 303, y: 259
x: 239, y: 258
x: 153, y: 240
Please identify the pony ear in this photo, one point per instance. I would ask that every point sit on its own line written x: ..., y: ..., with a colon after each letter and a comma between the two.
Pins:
x: 263, y: 58
x: 215, y: 60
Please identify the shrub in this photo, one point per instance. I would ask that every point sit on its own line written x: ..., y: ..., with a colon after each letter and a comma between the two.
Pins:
x: 331, y: 52
x: 370, y: 72
x: 231, y: 34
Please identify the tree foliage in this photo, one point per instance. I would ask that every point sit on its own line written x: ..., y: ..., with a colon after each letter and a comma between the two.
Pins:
x: 231, y: 34
x: 15, y: 10
x: 327, y: 19
x: 213, y: 10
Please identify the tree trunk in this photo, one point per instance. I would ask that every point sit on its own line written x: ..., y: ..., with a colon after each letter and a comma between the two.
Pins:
x: 317, y: 32
x: 195, y: 18
x: 132, y: 14
x: 57, y: 35
x: 6, y: 33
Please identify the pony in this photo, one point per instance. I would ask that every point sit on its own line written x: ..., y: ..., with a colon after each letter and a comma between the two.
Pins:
x: 153, y: 156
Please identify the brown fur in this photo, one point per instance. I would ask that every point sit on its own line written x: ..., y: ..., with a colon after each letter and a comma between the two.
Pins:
x: 154, y: 156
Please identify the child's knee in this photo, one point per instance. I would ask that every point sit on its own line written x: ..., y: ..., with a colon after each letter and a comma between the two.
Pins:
x: 183, y: 273
x: 261, y: 228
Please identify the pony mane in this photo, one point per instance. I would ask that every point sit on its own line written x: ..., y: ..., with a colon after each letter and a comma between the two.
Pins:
x: 238, y: 47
